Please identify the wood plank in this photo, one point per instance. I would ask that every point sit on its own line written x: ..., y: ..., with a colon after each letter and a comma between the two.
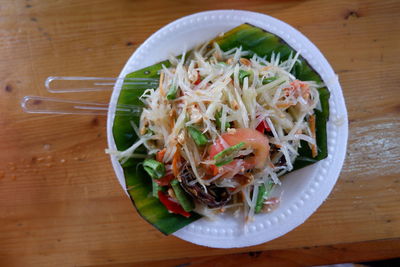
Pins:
x: 307, y: 256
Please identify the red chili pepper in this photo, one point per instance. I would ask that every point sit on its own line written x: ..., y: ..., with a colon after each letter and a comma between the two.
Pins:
x: 172, y: 206
x: 163, y: 181
x: 198, y: 79
x: 263, y: 126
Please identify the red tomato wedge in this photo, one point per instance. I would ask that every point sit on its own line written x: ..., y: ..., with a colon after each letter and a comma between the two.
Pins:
x: 172, y: 206
x: 253, y: 139
x: 263, y: 127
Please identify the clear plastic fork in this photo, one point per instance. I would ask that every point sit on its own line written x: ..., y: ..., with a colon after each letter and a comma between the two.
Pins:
x: 62, y: 84
x: 48, y: 105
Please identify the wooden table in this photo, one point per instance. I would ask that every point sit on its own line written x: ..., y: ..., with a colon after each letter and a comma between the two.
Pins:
x: 60, y: 203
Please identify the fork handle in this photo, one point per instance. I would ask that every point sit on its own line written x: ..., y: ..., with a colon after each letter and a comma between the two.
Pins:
x: 46, y: 105
x: 71, y: 84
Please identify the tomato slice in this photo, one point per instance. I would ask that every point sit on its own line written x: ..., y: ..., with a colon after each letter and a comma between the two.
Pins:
x: 252, y: 138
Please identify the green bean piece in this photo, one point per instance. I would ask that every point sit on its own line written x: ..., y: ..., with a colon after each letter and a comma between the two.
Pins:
x: 156, y: 188
x: 263, y: 191
x: 184, y: 200
x: 260, y: 199
x: 223, y: 162
x: 155, y: 169
x: 224, y: 157
x: 199, y: 138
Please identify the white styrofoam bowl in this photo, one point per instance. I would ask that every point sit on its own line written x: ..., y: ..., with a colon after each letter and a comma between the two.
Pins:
x: 302, y: 191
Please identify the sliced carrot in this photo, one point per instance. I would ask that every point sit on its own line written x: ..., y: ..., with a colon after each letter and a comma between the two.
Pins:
x: 211, y: 171
x: 245, y: 61
x: 161, y: 84
x: 172, y: 120
x: 164, y: 181
x: 175, y: 161
x: 214, y: 170
x: 311, y: 121
x: 160, y: 155
x: 172, y: 117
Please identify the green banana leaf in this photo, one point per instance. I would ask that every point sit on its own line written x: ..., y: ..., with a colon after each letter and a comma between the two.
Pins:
x: 138, y: 183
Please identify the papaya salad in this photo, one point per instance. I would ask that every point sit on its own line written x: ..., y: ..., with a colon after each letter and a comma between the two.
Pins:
x: 222, y: 128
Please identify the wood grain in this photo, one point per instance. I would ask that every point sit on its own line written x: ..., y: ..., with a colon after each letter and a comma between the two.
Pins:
x: 307, y: 256
x: 60, y: 203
